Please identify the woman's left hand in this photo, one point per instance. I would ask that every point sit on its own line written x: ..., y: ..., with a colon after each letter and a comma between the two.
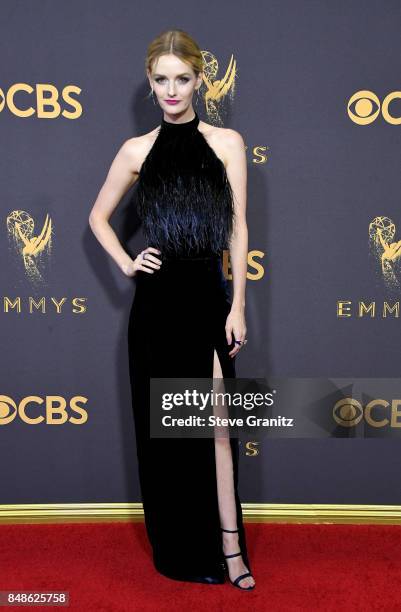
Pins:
x: 235, y: 330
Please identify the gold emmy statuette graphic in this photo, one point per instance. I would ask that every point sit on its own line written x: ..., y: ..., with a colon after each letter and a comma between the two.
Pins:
x: 217, y: 89
x: 32, y: 249
x: 387, y: 252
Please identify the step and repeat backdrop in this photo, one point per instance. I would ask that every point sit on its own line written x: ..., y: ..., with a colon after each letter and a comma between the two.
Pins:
x: 314, y: 88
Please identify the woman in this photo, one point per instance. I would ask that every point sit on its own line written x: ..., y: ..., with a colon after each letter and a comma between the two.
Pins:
x: 191, y: 197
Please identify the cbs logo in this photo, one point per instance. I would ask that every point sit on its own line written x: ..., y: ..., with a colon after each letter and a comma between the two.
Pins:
x: 51, y: 410
x: 348, y: 412
x: 23, y: 100
x: 364, y: 107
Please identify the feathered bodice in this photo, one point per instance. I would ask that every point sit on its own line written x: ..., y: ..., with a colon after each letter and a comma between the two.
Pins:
x: 184, y: 197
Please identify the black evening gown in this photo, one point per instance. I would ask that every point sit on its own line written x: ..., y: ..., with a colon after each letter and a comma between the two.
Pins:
x: 176, y: 322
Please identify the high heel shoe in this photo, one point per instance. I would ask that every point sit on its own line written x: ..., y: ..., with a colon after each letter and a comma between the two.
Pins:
x: 239, y: 578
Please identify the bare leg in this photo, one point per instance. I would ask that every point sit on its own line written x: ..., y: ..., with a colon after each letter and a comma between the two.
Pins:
x: 225, y: 490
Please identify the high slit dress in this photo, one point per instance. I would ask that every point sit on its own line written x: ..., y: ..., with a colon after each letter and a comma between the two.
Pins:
x: 177, y: 320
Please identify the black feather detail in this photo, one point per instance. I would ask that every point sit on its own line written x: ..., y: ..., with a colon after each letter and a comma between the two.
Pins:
x: 184, y: 197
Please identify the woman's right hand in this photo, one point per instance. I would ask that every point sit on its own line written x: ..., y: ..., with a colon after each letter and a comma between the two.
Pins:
x: 144, y: 261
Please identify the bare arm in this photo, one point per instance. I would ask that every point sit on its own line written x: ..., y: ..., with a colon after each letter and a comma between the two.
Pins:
x: 237, y: 175
x: 121, y: 176
x: 236, y: 168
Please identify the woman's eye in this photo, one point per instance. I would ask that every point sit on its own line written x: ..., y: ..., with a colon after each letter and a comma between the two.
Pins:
x: 185, y: 79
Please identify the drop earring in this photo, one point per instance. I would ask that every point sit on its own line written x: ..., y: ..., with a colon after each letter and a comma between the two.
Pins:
x: 151, y: 94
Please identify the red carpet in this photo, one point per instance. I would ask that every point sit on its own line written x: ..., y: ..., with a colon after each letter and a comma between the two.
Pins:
x: 106, y: 567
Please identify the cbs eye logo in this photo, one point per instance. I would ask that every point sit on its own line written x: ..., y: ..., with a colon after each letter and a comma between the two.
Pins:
x: 364, y: 107
x: 348, y: 412
x: 44, y: 100
x: 51, y: 410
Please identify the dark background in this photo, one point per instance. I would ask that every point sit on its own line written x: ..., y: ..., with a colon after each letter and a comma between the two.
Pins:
x: 309, y: 208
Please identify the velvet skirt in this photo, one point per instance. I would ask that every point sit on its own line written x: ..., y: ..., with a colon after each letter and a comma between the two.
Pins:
x: 177, y: 320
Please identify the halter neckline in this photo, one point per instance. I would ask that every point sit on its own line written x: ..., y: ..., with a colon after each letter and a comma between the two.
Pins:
x: 186, y: 125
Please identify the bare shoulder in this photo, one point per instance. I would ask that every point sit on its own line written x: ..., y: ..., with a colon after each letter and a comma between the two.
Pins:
x: 135, y: 149
x: 226, y: 142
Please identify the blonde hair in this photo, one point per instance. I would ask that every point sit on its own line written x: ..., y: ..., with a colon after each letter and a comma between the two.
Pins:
x: 180, y: 44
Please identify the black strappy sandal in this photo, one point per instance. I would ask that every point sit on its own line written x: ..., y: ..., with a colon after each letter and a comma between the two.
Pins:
x: 239, y: 578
